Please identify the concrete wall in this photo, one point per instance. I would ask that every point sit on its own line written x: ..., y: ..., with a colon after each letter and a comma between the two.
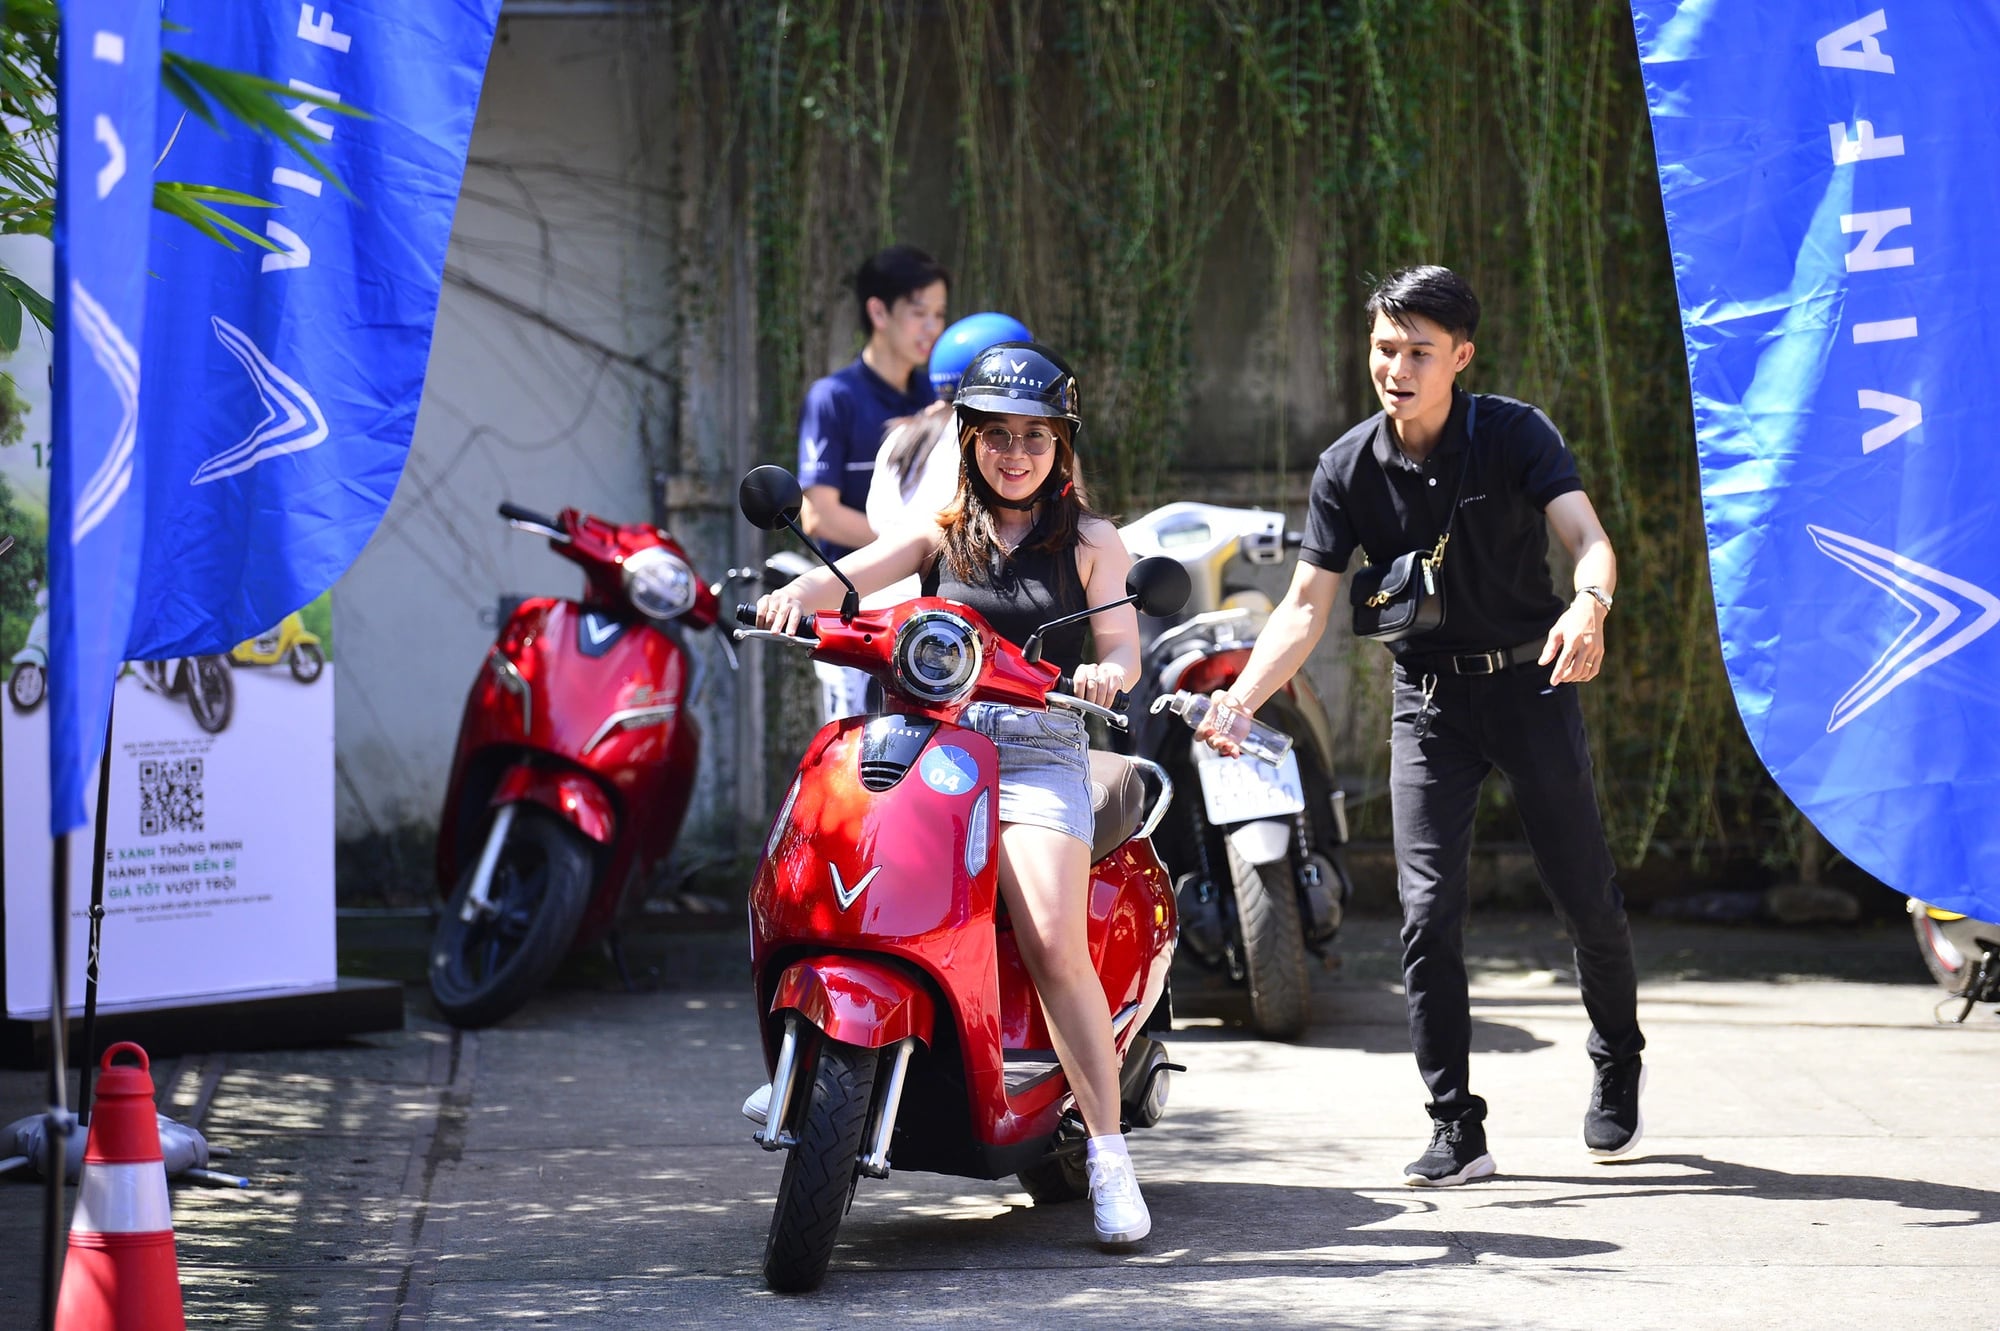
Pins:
x: 538, y: 391
x: 578, y: 361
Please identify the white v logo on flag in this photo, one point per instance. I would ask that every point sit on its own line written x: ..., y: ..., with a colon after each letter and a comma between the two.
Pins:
x: 1936, y: 600
x: 844, y: 894
x: 292, y: 419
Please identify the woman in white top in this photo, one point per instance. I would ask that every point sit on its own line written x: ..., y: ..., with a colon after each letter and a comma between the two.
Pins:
x: 913, y: 476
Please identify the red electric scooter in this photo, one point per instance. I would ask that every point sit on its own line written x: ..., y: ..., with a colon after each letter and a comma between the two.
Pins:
x: 576, y: 758
x: 899, y: 1021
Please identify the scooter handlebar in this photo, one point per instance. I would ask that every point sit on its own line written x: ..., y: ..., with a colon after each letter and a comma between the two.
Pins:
x: 1062, y: 694
x: 747, y: 615
x: 513, y: 512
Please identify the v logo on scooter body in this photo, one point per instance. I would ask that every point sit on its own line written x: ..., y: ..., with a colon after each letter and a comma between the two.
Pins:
x: 846, y: 895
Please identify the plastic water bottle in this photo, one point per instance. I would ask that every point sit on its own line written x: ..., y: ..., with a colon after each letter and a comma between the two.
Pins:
x: 1257, y: 740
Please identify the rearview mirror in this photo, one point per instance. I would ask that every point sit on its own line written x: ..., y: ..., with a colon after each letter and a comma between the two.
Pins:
x: 770, y: 497
x: 1158, y: 585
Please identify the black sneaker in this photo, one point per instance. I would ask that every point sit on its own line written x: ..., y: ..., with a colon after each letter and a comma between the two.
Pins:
x: 1613, y: 1124
x: 1457, y: 1155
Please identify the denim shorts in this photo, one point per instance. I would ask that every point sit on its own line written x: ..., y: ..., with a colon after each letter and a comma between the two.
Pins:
x: 1044, y: 766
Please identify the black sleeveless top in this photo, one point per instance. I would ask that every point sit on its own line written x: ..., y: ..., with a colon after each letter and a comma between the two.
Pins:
x: 1022, y: 592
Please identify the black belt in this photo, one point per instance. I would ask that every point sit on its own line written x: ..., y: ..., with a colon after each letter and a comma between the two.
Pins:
x: 1474, y: 663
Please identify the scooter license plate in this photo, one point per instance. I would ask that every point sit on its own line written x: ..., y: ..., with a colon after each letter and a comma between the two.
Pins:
x: 1237, y: 790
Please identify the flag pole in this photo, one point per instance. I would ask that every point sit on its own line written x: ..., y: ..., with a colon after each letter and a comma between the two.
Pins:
x: 55, y: 1136
x: 87, y: 1062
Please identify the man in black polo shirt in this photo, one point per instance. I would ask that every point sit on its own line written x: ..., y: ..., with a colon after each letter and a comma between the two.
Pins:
x: 1493, y: 687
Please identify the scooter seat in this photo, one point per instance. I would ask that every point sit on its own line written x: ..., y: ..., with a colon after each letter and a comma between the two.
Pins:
x: 1119, y: 797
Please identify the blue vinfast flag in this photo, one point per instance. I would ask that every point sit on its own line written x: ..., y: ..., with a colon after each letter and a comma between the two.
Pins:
x: 107, y: 80
x: 282, y: 385
x: 1831, y: 173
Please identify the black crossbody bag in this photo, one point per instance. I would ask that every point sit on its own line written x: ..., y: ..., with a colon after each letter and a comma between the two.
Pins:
x: 1405, y: 596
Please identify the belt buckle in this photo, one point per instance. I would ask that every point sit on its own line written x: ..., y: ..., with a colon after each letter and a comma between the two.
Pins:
x: 1482, y: 663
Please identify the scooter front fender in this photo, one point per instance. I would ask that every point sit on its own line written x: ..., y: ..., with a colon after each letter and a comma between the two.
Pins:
x: 1265, y: 841
x: 570, y: 796
x: 857, y: 1000
x: 34, y: 656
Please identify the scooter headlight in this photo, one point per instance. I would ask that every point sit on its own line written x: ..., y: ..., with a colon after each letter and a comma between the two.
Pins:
x: 660, y: 584
x: 937, y: 656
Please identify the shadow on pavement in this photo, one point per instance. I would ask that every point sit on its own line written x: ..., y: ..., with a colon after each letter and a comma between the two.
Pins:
x: 1728, y: 1177
x: 1205, y: 1227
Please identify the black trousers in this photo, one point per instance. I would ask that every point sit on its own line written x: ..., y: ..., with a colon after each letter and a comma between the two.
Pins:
x: 1533, y: 734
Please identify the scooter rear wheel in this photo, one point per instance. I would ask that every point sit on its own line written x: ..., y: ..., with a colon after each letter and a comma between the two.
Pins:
x: 483, y: 970
x: 1063, y: 1179
x: 822, y: 1168
x: 211, y: 693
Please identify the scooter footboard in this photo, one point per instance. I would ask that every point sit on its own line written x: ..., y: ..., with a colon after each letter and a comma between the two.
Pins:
x: 857, y: 1000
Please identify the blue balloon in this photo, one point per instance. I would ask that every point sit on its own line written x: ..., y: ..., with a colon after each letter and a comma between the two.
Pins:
x: 966, y: 339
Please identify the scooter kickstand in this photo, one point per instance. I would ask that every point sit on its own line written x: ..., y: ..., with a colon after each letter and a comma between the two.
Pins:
x: 614, y: 947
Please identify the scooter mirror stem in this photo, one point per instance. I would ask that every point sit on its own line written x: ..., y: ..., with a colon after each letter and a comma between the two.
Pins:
x: 850, y: 604
x: 1033, y: 649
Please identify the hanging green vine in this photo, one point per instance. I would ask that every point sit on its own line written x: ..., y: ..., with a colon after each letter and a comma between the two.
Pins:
x: 1107, y: 168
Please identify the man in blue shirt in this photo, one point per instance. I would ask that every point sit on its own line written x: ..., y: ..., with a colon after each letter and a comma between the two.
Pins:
x: 901, y: 293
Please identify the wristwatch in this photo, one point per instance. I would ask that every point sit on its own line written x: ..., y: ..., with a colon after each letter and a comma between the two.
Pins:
x: 1597, y: 594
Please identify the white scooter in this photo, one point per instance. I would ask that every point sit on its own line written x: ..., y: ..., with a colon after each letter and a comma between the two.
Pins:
x: 1255, y: 849
x: 29, y: 683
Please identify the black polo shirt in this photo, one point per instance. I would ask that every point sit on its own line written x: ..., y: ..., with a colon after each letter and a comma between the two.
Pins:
x: 1367, y: 495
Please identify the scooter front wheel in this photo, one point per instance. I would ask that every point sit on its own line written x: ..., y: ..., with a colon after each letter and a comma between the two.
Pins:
x: 822, y: 1168
x: 307, y: 662
x: 485, y: 968
x: 1274, y: 946
x: 28, y: 686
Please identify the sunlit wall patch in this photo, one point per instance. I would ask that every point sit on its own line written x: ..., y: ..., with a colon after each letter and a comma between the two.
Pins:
x: 949, y: 770
x: 978, y: 835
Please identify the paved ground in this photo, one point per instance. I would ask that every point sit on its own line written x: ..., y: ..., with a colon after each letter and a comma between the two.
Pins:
x: 1817, y: 1152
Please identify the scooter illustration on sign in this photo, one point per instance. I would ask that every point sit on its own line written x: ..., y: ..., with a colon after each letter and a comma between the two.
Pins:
x: 287, y: 644
x: 29, y: 683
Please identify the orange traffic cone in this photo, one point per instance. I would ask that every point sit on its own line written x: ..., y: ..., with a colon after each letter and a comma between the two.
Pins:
x: 120, y: 1274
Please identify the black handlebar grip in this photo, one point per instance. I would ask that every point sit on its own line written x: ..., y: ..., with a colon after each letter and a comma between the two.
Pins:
x: 1064, y: 684
x: 746, y: 615
x: 515, y: 513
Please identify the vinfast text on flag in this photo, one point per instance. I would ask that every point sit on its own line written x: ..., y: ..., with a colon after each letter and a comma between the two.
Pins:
x: 1831, y: 173
x: 282, y: 385
x: 108, y: 76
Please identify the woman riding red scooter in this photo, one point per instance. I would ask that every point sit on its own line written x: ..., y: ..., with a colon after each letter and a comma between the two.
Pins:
x: 1020, y: 547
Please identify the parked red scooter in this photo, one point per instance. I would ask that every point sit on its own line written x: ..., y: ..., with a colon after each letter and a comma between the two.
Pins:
x: 899, y: 1022
x: 575, y: 762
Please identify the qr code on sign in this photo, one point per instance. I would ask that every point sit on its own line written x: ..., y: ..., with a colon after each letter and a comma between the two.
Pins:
x: 170, y: 798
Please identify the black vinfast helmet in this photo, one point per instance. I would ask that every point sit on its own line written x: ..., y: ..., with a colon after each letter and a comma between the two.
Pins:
x: 1020, y: 379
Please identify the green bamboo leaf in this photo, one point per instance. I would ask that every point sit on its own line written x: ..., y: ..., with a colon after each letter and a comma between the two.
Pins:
x: 10, y: 322
x: 186, y: 93
x: 36, y: 303
x: 217, y: 194
x: 186, y: 202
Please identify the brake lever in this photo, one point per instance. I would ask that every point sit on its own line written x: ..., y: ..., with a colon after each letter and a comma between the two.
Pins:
x: 1070, y: 702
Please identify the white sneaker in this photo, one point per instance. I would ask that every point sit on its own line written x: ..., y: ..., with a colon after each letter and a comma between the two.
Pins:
x: 758, y: 1107
x: 1118, y: 1209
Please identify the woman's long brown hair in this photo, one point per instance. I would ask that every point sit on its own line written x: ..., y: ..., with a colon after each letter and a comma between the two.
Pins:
x: 971, y: 533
